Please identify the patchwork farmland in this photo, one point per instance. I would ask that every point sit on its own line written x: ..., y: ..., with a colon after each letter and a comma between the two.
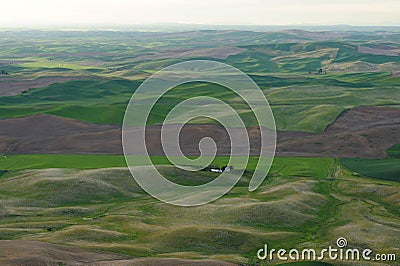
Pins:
x: 67, y: 196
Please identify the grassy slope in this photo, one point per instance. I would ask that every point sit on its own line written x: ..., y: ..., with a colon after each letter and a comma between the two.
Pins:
x: 297, y: 206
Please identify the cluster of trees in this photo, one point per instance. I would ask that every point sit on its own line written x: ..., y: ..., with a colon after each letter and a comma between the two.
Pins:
x: 319, y: 72
x: 3, y: 72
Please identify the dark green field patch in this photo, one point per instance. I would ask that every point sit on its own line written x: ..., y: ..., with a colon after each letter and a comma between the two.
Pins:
x: 394, y: 151
x: 2, y: 172
x: 388, y: 169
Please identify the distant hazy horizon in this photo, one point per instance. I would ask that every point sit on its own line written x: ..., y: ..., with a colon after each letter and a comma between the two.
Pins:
x: 168, y: 27
x: 206, y: 12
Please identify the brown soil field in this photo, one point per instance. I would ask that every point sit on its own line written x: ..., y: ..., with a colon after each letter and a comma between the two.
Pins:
x: 20, y: 252
x: 64, y: 54
x: 319, y: 35
x: 218, y: 53
x: 390, y: 51
x: 51, y: 134
x: 363, y: 132
x: 11, y: 86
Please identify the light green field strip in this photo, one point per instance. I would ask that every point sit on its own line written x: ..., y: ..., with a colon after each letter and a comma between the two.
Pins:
x: 287, y: 166
x: 45, y: 63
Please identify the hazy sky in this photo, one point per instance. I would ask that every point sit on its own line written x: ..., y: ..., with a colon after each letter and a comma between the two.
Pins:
x: 259, y: 12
